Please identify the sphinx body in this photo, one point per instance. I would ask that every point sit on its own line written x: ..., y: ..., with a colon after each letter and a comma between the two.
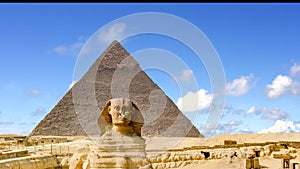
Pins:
x: 121, y: 145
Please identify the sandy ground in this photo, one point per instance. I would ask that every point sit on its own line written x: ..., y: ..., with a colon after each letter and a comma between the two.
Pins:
x: 265, y: 162
x: 215, y: 164
x: 163, y: 143
x: 252, y: 138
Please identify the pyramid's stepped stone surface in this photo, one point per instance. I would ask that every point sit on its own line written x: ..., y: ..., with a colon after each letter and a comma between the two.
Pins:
x: 115, y: 74
x: 61, y: 121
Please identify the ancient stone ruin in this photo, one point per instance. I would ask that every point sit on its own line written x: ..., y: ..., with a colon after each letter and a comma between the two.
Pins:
x: 121, y: 146
x: 76, y: 113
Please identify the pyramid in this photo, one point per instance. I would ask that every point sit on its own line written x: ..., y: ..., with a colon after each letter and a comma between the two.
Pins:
x: 115, y: 74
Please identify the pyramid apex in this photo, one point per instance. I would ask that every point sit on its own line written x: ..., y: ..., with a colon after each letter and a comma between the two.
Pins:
x: 114, y: 42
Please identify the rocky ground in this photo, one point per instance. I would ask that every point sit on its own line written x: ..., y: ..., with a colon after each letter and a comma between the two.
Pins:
x: 176, y: 152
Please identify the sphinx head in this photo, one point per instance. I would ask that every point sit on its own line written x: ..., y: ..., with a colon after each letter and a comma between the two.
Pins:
x: 121, y: 113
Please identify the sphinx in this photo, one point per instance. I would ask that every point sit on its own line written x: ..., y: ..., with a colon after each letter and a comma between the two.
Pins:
x: 120, y: 145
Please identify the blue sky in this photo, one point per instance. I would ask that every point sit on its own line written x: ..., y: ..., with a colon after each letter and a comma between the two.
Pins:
x: 258, y: 45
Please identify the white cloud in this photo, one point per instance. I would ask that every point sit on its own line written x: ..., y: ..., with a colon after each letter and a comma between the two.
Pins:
x: 274, y: 114
x: 60, y: 49
x: 34, y: 92
x: 72, y: 84
x: 234, y: 123
x: 186, y: 75
x: 228, y: 108
x: 295, y: 70
x: 72, y: 49
x: 229, y: 127
x: 246, y: 131
x: 68, y: 49
x: 280, y: 85
x: 38, y: 111
x: 6, y: 123
x: 282, y: 126
x: 295, y: 89
x: 239, y: 86
x: 285, y: 85
x: 252, y: 110
x: 192, y: 102
x: 208, y: 129
x: 27, y: 124
x: 114, y: 32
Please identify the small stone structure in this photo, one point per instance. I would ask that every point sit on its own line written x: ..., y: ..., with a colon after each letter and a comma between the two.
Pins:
x: 295, y: 165
x: 230, y: 142
x: 41, y: 140
x: 252, y: 163
x: 286, y: 158
x: 286, y: 163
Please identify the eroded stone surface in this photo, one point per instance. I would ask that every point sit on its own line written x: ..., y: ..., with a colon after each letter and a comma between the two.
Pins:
x: 121, y: 146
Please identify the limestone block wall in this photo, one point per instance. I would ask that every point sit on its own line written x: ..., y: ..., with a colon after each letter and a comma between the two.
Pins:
x: 182, y: 157
x: 174, y: 159
x: 36, y: 162
x: 13, y: 154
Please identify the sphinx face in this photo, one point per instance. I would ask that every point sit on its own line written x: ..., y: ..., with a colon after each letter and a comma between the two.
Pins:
x: 121, y: 112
